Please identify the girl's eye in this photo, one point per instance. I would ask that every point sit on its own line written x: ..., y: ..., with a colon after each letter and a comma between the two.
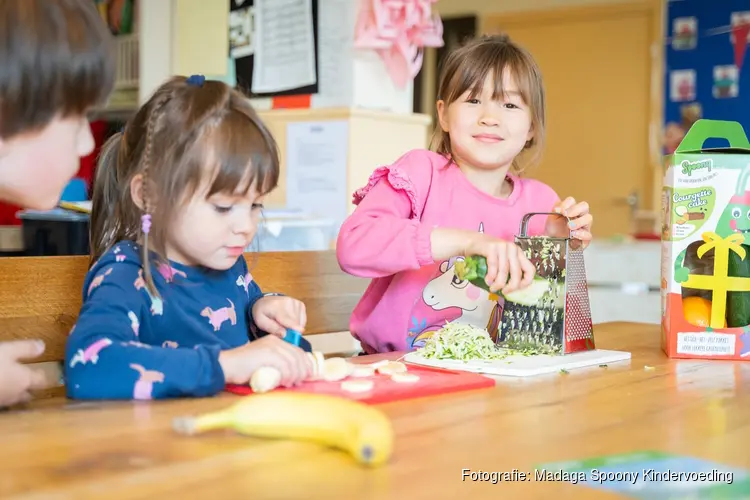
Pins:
x: 257, y: 206
x: 473, y: 101
x: 223, y: 209
x: 510, y: 105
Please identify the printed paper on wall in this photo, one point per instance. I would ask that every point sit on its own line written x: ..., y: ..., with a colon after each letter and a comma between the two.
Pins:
x: 726, y: 81
x: 684, y: 33
x: 682, y: 85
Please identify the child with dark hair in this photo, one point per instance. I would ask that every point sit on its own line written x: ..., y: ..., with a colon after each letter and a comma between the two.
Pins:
x: 169, y: 304
x: 56, y: 62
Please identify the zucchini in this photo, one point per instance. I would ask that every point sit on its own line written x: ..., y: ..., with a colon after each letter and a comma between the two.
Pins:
x: 474, y: 269
x: 738, y: 303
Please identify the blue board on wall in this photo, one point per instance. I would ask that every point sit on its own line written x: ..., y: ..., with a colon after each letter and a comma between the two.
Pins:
x: 706, y: 61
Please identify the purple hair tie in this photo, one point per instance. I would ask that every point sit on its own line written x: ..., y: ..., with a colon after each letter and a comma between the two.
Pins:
x: 146, y: 223
x: 196, y: 80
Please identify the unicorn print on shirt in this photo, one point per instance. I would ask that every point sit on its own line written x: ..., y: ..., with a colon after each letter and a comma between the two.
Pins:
x: 458, y: 301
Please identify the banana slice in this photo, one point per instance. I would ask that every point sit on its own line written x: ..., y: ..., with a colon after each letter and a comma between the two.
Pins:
x: 314, y: 363
x: 359, y: 371
x: 318, y: 361
x: 392, y: 367
x: 405, y: 378
x: 335, y: 369
x: 357, y: 385
x: 265, y: 379
x: 378, y: 364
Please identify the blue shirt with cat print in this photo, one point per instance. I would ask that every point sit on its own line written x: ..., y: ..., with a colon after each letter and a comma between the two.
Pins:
x: 128, y: 344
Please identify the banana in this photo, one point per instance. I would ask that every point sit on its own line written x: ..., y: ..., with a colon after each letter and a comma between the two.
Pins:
x: 354, y: 427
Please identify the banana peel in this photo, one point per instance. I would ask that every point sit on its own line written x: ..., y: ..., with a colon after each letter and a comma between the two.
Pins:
x: 474, y: 269
x: 364, y: 432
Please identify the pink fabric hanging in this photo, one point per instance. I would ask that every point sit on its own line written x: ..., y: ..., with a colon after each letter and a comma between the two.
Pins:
x: 398, y: 30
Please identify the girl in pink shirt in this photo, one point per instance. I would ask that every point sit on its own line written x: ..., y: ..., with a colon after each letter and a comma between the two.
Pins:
x: 415, y: 218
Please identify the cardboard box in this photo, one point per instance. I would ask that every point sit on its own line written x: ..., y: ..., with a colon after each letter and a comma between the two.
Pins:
x: 705, y: 286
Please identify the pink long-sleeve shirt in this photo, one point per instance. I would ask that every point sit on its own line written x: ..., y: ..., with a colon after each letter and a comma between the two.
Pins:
x: 387, y: 238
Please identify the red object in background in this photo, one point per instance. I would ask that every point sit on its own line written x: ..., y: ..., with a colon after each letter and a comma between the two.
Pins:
x: 88, y: 163
x: 647, y: 236
x: 85, y: 172
x: 8, y: 215
x: 740, y: 32
x: 432, y: 381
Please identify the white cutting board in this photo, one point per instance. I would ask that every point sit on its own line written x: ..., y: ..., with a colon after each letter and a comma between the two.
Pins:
x: 523, y: 366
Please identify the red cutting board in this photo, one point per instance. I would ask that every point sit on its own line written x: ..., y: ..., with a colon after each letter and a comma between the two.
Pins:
x: 432, y: 381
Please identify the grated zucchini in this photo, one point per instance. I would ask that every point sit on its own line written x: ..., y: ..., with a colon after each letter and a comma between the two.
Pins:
x: 462, y: 342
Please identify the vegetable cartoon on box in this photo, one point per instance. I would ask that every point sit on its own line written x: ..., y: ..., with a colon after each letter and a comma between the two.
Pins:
x: 706, y: 245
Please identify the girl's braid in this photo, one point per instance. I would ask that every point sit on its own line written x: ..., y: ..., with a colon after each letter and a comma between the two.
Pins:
x: 153, y: 122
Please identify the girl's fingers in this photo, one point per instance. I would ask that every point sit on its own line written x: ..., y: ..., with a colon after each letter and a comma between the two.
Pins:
x: 502, y: 268
x: 492, y: 263
x: 583, y: 235
x: 581, y: 222
x: 300, y: 365
x: 302, y: 317
x: 581, y: 239
x: 513, y: 269
x: 528, y: 271
x: 305, y: 364
x: 577, y: 210
x: 286, y: 363
x: 278, y: 329
x: 565, y: 205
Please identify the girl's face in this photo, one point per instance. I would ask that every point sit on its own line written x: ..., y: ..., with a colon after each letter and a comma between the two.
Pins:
x: 486, y: 133
x: 213, y: 232
x: 36, y: 166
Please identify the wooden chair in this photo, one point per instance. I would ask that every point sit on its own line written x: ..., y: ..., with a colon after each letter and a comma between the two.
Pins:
x: 40, y: 297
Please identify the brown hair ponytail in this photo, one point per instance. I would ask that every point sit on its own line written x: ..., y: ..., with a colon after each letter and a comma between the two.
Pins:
x: 105, y: 199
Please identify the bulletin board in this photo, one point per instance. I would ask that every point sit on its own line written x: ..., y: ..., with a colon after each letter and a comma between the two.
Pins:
x: 243, y: 41
x: 706, y: 76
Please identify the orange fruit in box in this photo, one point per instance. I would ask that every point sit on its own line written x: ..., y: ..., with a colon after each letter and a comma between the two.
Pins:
x: 697, y: 311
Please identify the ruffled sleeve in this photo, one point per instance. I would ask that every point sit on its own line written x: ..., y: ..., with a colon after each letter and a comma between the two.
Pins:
x: 399, y: 180
x: 385, y: 234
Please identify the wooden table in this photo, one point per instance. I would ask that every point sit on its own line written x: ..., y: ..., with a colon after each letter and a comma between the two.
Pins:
x: 128, y: 450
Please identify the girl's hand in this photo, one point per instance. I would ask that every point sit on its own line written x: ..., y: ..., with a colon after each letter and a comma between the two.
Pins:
x: 17, y: 379
x: 240, y: 363
x: 508, y: 269
x: 276, y: 314
x: 580, y: 221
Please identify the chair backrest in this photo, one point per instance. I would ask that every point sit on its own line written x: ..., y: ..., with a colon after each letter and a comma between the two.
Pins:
x: 40, y: 297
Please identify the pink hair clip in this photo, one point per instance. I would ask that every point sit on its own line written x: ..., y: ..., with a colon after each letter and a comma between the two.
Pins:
x: 146, y: 223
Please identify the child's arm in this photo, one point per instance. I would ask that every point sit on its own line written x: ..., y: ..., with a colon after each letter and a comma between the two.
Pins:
x: 105, y: 360
x: 384, y: 235
x: 265, y: 319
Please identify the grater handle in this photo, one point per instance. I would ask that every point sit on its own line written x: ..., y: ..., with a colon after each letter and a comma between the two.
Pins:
x: 525, y: 221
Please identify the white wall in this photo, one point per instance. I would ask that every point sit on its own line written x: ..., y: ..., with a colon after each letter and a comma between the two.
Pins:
x: 460, y: 7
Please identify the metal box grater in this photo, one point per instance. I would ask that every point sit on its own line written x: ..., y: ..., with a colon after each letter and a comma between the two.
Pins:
x: 561, y: 322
